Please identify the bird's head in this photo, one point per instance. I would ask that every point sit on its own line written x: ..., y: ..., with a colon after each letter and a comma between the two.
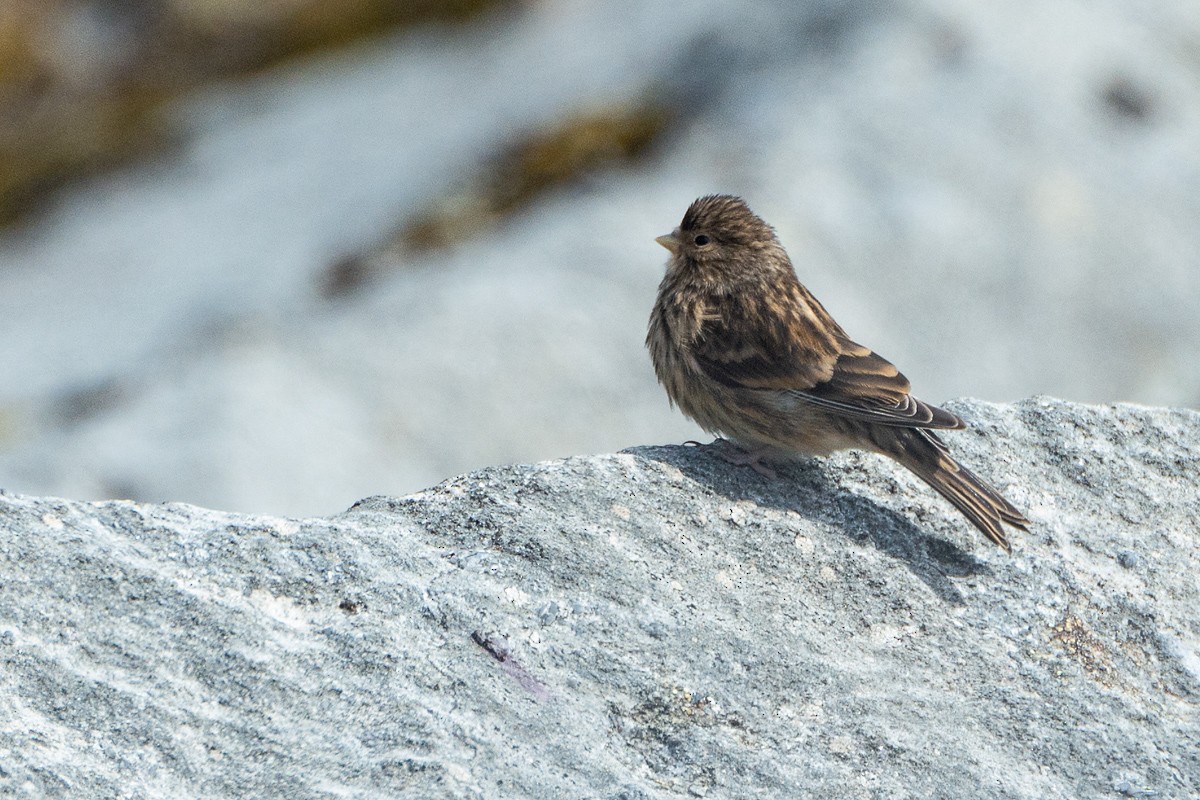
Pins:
x: 719, y: 233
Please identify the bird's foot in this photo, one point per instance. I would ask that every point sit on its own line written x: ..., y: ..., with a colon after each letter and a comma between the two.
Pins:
x: 745, y: 458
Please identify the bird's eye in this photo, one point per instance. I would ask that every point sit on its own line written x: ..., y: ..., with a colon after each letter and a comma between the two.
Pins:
x: 701, y: 240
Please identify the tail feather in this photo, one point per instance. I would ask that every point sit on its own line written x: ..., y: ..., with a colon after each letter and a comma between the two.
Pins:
x: 928, y: 458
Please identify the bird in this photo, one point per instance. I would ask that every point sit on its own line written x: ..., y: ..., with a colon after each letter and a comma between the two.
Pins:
x: 745, y: 350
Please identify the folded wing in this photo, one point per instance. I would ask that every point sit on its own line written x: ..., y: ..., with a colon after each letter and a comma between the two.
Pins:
x: 787, y: 342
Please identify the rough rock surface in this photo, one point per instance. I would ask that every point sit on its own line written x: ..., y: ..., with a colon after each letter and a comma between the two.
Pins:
x: 1000, y: 198
x: 650, y: 624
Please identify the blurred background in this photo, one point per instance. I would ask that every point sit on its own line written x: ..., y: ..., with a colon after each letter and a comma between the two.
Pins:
x: 278, y: 255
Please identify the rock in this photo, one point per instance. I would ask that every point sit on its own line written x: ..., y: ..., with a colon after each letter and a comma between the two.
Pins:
x: 649, y: 624
x: 84, y: 83
x: 999, y: 198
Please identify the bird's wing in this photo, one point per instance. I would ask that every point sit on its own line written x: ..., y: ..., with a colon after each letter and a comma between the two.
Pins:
x: 786, y: 341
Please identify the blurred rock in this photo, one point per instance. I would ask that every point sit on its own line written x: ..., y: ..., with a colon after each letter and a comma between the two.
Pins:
x: 1001, y: 199
x: 511, y: 181
x: 649, y: 624
x: 538, y: 162
x: 82, y: 81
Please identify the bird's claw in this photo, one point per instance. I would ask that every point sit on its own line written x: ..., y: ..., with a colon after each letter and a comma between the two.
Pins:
x: 744, y: 458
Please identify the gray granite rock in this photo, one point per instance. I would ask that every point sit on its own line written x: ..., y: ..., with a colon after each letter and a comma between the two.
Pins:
x: 650, y: 624
x: 1001, y: 198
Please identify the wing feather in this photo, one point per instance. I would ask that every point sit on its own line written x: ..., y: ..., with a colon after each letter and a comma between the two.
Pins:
x: 788, y: 342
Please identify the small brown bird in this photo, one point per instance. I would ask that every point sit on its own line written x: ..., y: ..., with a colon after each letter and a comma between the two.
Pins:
x: 744, y: 350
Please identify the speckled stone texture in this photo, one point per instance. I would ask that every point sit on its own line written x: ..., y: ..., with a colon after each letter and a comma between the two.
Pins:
x: 650, y: 624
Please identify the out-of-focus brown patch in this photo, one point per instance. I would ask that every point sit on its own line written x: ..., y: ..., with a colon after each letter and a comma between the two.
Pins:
x: 67, y: 109
x: 509, y: 181
x: 346, y: 275
x: 49, y: 139
x: 542, y: 160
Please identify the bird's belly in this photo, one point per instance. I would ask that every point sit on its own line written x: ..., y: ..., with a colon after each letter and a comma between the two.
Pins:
x: 778, y: 422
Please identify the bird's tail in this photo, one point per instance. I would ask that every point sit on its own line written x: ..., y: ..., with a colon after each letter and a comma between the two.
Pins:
x: 922, y: 452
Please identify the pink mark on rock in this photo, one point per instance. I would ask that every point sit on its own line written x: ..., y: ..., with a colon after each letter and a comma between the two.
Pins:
x: 497, y: 648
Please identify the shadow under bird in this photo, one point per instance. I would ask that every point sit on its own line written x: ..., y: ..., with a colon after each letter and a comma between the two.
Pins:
x: 748, y: 353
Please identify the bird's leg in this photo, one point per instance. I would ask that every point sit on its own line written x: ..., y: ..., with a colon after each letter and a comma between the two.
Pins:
x: 744, y: 458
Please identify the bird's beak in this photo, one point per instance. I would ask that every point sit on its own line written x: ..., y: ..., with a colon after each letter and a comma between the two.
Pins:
x: 670, y: 241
